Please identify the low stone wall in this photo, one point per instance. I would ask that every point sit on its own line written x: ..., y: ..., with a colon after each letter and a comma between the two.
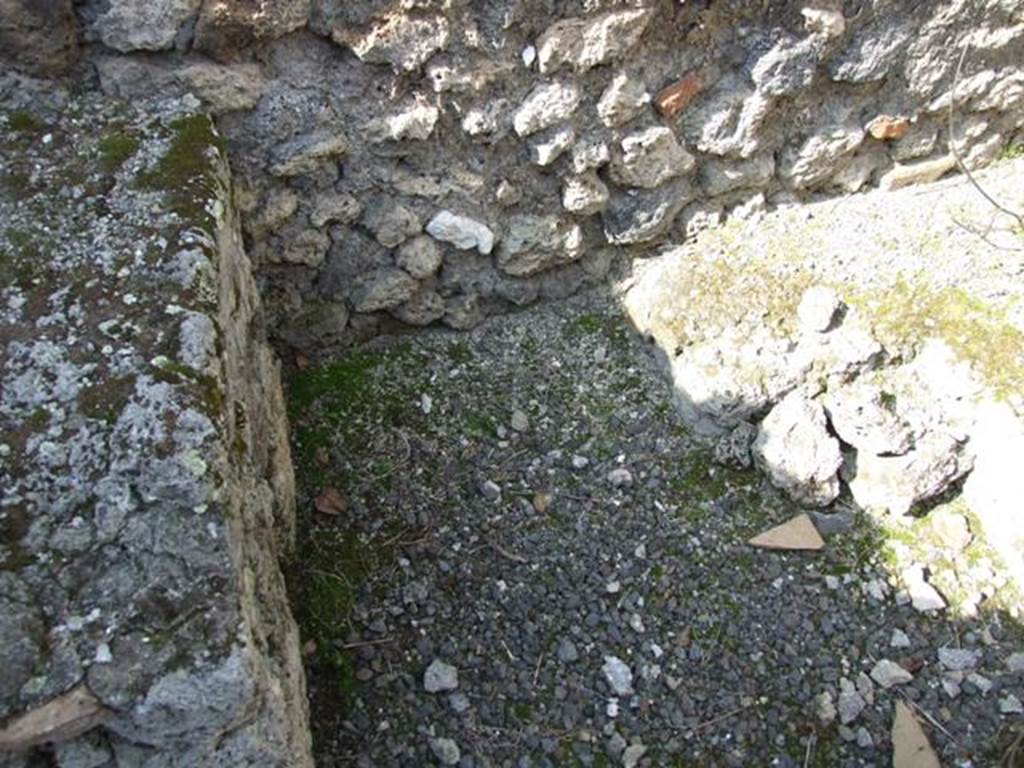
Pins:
x: 437, y: 161
x: 147, y: 489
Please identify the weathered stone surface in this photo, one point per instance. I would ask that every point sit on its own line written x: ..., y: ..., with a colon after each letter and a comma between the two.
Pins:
x: 587, y: 42
x: 126, y: 25
x: 721, y: 176
x: 385, y: 289
x: 637, y: 216
x: 871, y: 55
x: 821, y: 156
x: 549, y: 147
x: 897, y: 483
x: 221, y: 88
x: 40, y: 38
x: 415, y: 119
x: 171, y: 498
x: 921, y: 172
x: 423, y: 308
x: 727, y: 119
x: 420, y: 257
x: 622, y: 100
x: 584, y: 194
x: 864, y: 417
x: 545, y: 106
x: 793, y: 447
x: 338, y: 207
x: 534, y: 243
x: 391, y: 223
x: 226, y: 27
x: 589, y: 155
x: 304, y: 154
x: 403, y: 40
x: 308, y: 248
x: 649, y: 158
x: 733, y: 448
x: 461, y: 231
x: 788, y: 67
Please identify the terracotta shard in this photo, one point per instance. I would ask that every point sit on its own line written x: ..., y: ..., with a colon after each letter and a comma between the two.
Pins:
x: 910, y: 747
x: 330, y: 502
x: 887, y: 127
x: 673, y: 99
x: 798, y: 533
x: 69, y: 715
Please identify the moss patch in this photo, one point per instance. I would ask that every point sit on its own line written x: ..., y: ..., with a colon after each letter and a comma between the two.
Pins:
x: 977, y: 332
x: 24, y: 122
x: 116, y: 147
x: 187, y: 171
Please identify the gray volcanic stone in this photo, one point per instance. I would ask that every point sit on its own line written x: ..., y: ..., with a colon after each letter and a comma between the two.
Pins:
x: 420, y: 257
x: 794, y: 448
x: 440, y: 677
x: 636, y: 216
x: 154, y: 491
x: 126, y: 25
x: 445, y: 750
x: 619, y: 675
x: 405, y: 41
x: 385, y: 289
x: 649, y: 158
x: 534, y: 243
x: 38, y: 38
x: 888, y: 673
x: 584, y: 194
x: 546, y: 105
x: 622, y: 100
x: 583, y: 43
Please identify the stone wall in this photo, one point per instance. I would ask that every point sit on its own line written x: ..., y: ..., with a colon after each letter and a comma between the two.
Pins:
x: 145, y: 478
x: 420, y: 161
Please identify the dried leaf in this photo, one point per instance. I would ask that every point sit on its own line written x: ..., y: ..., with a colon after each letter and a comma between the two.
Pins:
x: 910, y: 747
x: 330, y: 502
x: 301, y: 361
x: 798, y: 533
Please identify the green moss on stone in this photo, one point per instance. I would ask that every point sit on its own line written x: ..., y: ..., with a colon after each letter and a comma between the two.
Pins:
x: 187, y: 172
x: 23, y: 121
x: 116, y: 147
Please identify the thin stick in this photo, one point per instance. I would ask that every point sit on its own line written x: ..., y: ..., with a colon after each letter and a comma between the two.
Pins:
x: 536, y: 672
x: 506, y: 554
x: 810, y: 748
x: 931, y: 719
x: 719, y: 718
x: 365, y: 643
x: 956, y: 154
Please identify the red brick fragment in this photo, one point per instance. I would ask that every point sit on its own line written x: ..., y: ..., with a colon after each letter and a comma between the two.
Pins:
x: 673, y: 99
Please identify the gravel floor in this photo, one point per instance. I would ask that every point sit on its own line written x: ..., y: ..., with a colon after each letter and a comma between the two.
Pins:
x: 520, y: 503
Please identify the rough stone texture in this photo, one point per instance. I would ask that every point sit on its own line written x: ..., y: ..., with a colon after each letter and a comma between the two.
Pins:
x: 40, y: 38
x: 147, y: 485
x: 795, y: 449
x: 498, y: 109
x: 126, y: 25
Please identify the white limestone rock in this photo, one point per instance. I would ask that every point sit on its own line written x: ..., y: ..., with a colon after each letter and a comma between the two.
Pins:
x: 622, y: 100
x: 461, y: 231
x: 793, y: 447
x: 584, y: 194
x: 649, y: 158
x: 583, y: 43
x: 546, y: 105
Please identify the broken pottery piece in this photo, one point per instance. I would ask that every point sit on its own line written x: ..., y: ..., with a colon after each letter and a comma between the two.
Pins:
x: 798, y: 533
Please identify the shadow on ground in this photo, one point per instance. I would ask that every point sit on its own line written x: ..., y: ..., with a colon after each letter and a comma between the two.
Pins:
x: 480, y: 519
